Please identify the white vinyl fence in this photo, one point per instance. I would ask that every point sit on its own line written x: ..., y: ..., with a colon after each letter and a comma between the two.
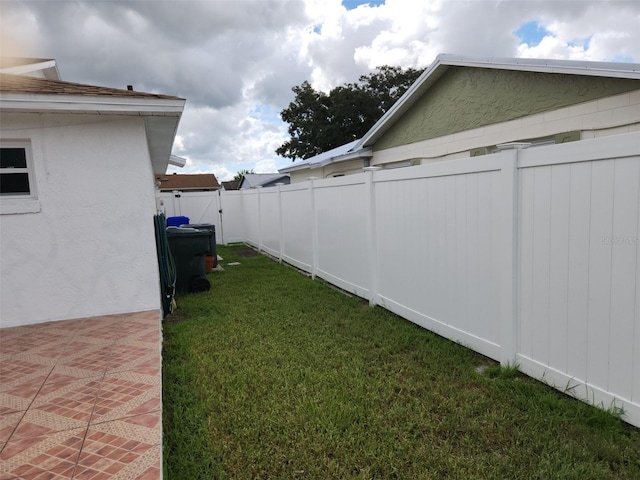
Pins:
x: 530, y: 257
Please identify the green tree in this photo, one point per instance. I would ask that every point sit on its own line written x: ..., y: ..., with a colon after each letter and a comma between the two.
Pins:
x: 242, y: 173
x: 319, y: 122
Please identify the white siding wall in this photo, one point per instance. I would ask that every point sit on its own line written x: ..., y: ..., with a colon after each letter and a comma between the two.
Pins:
x: 90, y: 250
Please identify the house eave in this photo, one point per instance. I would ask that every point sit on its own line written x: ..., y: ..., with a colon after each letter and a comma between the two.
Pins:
x: 48, y: 68
x: 161, y: 115
x: 294, y: 168
x: 24, y: 102
x: 356, y: 155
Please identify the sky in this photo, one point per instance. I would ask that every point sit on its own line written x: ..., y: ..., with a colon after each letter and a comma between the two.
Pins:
x: 236, y: 61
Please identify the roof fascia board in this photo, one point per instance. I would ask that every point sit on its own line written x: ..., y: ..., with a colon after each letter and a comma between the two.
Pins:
x: 48, y: 67
x: 599, y: 69
x: 364, y: 153
x: 78, y: 103
x: 294, y: 168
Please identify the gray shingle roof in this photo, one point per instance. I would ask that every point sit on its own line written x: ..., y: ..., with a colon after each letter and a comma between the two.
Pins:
x: 25, y: 84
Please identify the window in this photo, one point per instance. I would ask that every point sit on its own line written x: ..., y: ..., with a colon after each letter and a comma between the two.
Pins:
x: 17, y: 186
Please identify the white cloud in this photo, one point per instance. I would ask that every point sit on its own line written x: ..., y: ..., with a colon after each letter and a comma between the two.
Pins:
x: 235, y: 61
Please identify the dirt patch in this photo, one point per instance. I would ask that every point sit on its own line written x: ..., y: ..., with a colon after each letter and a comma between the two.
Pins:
x: 245, y: 253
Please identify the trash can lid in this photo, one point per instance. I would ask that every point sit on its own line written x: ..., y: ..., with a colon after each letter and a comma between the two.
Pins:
x: 186, y: 231
x: 200, y: 225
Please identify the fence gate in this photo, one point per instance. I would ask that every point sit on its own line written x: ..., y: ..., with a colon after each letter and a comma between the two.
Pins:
x: 200, y: 207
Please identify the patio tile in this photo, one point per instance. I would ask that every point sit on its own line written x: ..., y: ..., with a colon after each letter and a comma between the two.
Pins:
x: 32, y: 456
x: 120, y: 450
x: 121, y: 396
x: 13, y: 404
x: 149, y: 317
x: 8, y: 424
x: 88, y: 362
x: 17, y: 395
x: 67, y: 407
x: 149, y: 368
x: 103, y: 329
x: 16, y: 372
x: 95, y: 376
x: 127, y: 357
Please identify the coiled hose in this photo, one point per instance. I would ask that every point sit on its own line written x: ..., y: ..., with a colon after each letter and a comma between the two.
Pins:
x: 166, y: 264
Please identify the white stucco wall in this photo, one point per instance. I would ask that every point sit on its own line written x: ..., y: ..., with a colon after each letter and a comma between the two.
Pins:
x: 90, y: 250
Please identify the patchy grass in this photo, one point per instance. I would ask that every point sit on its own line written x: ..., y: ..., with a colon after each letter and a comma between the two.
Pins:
x: 273, y: 375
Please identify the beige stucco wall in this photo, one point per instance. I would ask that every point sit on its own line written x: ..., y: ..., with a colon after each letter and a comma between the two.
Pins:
x: 328, y: 171
x: 468, y: 98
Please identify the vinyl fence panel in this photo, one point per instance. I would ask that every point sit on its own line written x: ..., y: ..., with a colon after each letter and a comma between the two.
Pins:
x: 578, y: 269
x: 527, y: 256
x: 341, y: 221
x: 436, y: 250
x: 270, y: 220
x: 297, y: 220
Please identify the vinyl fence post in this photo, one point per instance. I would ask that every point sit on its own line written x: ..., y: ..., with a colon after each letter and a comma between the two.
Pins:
x: 509, y: 262
x: 280, y: 223
x: 221, y: 233
x: 177, y: 210
x: 259, y: 187
x: 314, y: 229
x: 372, y: 233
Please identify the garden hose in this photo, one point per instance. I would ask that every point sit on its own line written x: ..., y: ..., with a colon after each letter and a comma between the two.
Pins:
x: 166, y: 264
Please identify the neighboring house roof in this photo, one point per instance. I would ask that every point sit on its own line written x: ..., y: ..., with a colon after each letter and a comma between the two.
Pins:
x: 338, y: 154
x: 444, y: 61
x: 185, y: 182
x: 231, y: 185
x: 20, y: 93
x: 253, y: 180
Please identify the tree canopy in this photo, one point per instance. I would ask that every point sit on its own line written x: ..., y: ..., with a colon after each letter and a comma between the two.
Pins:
x: 242, y: 173
x: 319, y: 122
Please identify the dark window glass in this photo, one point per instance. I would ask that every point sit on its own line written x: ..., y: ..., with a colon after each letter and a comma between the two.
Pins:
x: 14, y: 184
x: 13, y: 158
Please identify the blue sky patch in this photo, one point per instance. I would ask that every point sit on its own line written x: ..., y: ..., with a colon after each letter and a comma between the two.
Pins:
x: 621, y: 59
x: 265, y: 113
x: 531, y: 33
x: 351, y: 4
x: 581, y: 42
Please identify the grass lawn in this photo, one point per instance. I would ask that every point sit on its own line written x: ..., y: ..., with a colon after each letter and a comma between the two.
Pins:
x: 273, y: 375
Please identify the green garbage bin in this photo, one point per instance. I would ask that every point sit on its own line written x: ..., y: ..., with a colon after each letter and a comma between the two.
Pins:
x: 211, y: 229
x: 188, y: 247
